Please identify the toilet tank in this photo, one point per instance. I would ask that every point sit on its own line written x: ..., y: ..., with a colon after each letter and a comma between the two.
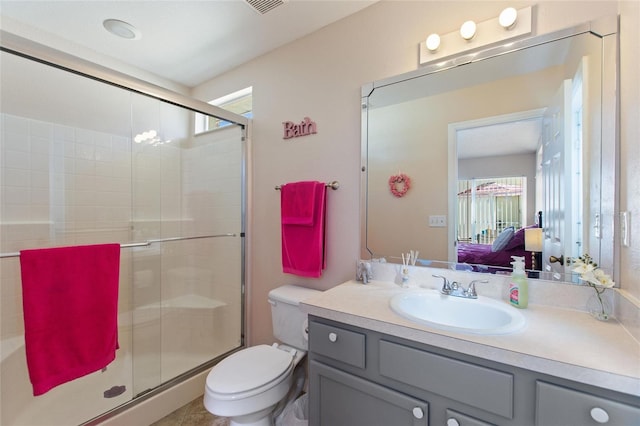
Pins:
x: 289, y: 322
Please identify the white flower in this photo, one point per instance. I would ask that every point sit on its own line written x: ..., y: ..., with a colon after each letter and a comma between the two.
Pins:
x: 590, y: 278
x: 583, y: 268
x: 604, y: 279
x: 590, y: 272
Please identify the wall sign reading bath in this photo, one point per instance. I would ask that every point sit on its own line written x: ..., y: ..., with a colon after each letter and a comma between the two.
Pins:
x: 304, y: 128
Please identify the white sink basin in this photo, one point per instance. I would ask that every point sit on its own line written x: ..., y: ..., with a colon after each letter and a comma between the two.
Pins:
x: 479, y: 316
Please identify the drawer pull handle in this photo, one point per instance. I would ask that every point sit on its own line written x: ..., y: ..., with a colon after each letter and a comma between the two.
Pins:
x: 418, y: 413
x: 333, y: 337
x: 599, y: 415
x: 452, y: 422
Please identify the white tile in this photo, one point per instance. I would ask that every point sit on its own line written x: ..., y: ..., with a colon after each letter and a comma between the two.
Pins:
x: 104, y: 169
x: 84, y: 136
x: 86, y: 183
x: 83, y: 214
x: 64, y: 132
x: 84, y: 198
x: 40, y: 196
x: 40, y: 129
x: 16, y: 195
x: 15, y: 141
x: 69, y: 148
x: 16, y: 177
x: 85, y: 152
x: 15, y: 124
x: 103, y: 154
x: 69, y: 165
x: 40, y: 145
x: 39, y: 213
x: 120, y: 143
x: 103, y: 140
x: 39, y: 162
x: 16, y: 159
x: 14, y: 213
x: 84, y: 167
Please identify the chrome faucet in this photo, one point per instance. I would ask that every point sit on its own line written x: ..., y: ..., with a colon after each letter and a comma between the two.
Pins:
x: 457, y: 289
x: 472, y: 288
x: 446, y: 286
x: 364, y: 273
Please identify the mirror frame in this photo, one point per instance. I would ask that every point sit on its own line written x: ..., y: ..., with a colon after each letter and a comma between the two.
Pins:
x: 606, y: 29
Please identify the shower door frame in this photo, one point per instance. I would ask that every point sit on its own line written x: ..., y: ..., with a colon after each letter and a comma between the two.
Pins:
x: 37, y: 52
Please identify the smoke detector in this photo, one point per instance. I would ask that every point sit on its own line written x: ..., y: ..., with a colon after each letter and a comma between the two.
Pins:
x: 264, y: 6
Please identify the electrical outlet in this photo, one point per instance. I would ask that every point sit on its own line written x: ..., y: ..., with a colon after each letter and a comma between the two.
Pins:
x: 437, y: 221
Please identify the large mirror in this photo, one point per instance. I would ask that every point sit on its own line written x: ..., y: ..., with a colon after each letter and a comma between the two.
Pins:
x: 464, y: 159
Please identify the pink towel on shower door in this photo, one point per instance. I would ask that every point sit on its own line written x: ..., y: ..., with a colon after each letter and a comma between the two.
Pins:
x: 302, y: 206
x: 70, y: 303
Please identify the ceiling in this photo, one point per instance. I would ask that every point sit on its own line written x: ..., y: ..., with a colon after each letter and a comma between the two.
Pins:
x: 187, y: 42
x: 501, y: 138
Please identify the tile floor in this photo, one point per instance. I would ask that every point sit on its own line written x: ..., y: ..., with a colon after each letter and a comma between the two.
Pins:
x: 192, y: 414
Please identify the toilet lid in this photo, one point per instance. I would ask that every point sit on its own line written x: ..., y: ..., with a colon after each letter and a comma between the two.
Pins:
x: 248, y: 369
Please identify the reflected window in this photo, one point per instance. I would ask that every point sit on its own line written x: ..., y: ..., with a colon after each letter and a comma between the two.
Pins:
x: 487, y: 206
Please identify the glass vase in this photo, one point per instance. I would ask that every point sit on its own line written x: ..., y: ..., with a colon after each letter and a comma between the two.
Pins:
x: 599, y: 307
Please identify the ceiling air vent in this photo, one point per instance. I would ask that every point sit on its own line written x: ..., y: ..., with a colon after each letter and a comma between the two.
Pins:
x: 264, y: 6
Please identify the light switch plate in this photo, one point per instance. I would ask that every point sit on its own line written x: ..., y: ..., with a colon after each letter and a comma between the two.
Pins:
x: 624, y: 228
x: 437, y: 221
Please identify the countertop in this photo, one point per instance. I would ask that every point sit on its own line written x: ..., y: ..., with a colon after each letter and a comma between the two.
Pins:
x: 561, y: 342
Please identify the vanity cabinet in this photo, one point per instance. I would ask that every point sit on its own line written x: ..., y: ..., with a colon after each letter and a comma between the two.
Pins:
x: 557, y: 405
x: 361, y: 377
x: 347, y: 400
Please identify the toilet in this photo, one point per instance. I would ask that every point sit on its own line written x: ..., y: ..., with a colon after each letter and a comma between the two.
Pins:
x: 247, y: 386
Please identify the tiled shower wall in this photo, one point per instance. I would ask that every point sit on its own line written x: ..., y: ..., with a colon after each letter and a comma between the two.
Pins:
x: 59, y: 186
x: 180, y: 302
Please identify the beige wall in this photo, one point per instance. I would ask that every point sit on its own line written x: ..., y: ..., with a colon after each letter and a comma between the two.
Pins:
x: 320, y: 76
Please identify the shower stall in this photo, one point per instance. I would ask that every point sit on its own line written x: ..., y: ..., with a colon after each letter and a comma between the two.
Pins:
x: 90, y: 156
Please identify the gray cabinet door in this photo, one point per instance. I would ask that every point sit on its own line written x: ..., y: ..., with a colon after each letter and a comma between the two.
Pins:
x: 556, y: 405
x: 340, y: 399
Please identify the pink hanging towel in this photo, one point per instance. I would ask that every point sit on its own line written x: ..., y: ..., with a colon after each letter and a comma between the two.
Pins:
x: 302, y: 206
x: 70, y: 303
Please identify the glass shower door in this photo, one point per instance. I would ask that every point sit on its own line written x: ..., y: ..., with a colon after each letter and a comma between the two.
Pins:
x: 85, y: 162
x: 187, y: 195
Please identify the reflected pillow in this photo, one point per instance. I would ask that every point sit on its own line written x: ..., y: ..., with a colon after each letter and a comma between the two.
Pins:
x: 503, y: 239
x: 517, y: 242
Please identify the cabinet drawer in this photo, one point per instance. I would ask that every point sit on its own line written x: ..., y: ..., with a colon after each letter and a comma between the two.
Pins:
x: 458, y: 419
x: 556, y: 405
x: 341, y: 399
x: 471, y: 384
x: 337, y: 343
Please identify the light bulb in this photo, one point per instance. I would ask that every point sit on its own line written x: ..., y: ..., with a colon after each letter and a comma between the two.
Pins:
x: 468, y: 30
x: 508, y: 17
x: 433, y: 42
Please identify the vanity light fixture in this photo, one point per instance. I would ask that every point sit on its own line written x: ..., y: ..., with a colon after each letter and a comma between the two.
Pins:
x: 508, y: 17
x: 433, y: 42
x: 476, y: 35
x: 468, y: 30
x: 122, y: 29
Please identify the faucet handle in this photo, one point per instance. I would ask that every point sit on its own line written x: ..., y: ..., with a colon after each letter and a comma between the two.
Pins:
x: 446, y: 287
x: 472, y: 287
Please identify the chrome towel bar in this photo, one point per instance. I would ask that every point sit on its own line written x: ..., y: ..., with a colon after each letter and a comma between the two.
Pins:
x: 333, y: 185
x: 146, y: 243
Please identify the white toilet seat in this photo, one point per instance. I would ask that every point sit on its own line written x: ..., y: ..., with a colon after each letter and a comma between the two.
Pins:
x: 249, y: 372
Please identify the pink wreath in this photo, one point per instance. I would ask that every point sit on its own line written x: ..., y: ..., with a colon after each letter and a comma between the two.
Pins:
x: 399, y: 184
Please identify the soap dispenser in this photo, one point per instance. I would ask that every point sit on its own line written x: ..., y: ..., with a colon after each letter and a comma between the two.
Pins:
x: 518, y: 285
